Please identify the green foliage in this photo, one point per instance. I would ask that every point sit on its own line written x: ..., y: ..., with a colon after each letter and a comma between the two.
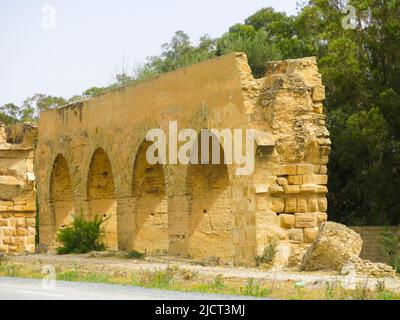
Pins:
x: 135, y: 255
x: 258, y: 47
x: 82, y: 236
x: 9, y: 113
x: 9, y: 270
x: 254, y: 289
x: 161, y: 279
x: 390, y: 242
x: 380, y: 285
x: 70, y: 275
x: 269, y: 253
x: 177, y: 54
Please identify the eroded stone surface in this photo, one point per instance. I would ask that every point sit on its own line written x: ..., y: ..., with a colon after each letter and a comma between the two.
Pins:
x: 17, y: 189
x: 90, y: 159
x: 334, y: 246
x: 372, y: 269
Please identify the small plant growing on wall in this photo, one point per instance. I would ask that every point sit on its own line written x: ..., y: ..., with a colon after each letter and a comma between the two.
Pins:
x: 390, y: 242
x: 82, y: 236
x: 268, y: 256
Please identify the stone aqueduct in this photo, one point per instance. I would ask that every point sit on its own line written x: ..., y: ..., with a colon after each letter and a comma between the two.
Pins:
x: 90, y: 159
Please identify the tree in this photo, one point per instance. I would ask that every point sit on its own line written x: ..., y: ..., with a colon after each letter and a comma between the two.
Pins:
x: 258, y: 47
x: 32, y: 106
x: 9, y: 113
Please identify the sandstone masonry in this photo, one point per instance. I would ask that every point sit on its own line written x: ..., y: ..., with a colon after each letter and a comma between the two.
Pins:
x: 90, y: 158
x: 17, y: 190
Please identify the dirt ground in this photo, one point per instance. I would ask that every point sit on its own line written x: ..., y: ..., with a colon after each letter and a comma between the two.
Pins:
x: 113, y: 264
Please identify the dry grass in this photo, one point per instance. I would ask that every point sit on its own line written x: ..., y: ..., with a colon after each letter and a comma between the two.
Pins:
x: 180, y: 279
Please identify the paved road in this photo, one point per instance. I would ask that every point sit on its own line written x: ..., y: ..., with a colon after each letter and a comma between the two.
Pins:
x: 31, y: 289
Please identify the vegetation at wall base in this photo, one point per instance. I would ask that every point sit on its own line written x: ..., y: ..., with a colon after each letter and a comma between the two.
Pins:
x: 135, y: 255
x: 269, y: 253
x: 82, y: 236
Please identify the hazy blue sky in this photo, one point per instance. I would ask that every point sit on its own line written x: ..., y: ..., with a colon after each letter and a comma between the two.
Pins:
x: 88, y: 41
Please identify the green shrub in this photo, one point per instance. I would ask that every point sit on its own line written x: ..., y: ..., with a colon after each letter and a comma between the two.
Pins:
x: 135, y: 255
x: 82, y: 236
x: 390, y: 242
x: 268, y: 256
x: 253, y: 289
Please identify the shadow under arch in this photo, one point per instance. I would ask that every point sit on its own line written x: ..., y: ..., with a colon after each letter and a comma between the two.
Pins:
x: 150, y: 205
x: 101, y: 195
x: 61, y: 197
x: 210, y: 220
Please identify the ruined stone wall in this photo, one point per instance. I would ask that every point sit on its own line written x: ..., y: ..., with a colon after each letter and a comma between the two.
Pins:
x: 91, y: 159
x: 372, y: 247
x: 17, y: 189
x: 291, y: 180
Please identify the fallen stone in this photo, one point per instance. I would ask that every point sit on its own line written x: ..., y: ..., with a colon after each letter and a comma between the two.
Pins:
x: 334, y: 246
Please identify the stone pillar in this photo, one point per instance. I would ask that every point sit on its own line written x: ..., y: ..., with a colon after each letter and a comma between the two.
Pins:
x: 17, y: 194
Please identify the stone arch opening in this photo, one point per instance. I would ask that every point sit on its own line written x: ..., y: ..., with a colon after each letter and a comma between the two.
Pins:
x: 61, y: 198
x: 151, y: 205
x: 101, y: 196
x: 210, y: 220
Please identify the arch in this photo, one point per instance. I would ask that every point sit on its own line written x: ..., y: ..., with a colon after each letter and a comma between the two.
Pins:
x: 210, y: 222
x: 61, y: 197
x: 150, y: 205
x: 101, y: 195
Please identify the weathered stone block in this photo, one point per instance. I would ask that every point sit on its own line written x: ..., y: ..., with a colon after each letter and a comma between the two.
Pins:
x: 30, y: 222
x: 318, y: 93
x: 287, y: 170
x: 291, y: 189
x: 22, y: 232
x: 295, y: 180
x: 20, y: 222
x: 321, y: 217
x: 312, y: 205
x: 321, y: 189
x: 287, y: 220
x: 318, y: 108
x: 291, y: 205
x: 296, y: 235
x: 278, y: 205
x: 334, y: 246
x: 308, y: 179
x: 302, y: 204
x: 310, y: 234
x: 275, y: 190
x: 282, y: 181
x: 321, y: 179
x: 305, y: 169
x: 306, y: 220
x: 322, y: 204
x: 308, y: 188
x: 262, y: 203
x: 31, y: 231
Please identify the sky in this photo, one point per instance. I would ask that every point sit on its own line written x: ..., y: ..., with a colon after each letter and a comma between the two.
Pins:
x: 63, y: 47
